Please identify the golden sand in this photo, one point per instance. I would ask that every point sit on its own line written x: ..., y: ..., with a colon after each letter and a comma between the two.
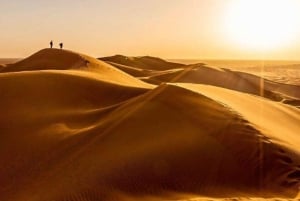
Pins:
x: 74, y: 128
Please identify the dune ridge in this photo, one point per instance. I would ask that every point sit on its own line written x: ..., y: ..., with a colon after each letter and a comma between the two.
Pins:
x: 221, y: 77
x: 225, y: 78
x: 144, y: 62
x: 56, y: 59
x: 75, y: 128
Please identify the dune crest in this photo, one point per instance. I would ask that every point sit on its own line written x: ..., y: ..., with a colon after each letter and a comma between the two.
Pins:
x: 48, y: 59
x: 56, y: 59
x: 144, y: 62
x: 225, y: 78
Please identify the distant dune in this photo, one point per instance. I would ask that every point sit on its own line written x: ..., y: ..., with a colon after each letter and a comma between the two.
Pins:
x: 145, y: 62
x: 234, y: 80
x: 4, y: 61
x: 74, y: 128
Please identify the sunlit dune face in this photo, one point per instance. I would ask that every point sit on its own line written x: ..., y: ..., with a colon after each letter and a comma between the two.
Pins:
x: 263, y: 24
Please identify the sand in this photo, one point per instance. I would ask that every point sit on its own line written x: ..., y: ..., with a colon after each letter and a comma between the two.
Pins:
x: 144, y: 62
x: 74, y: 128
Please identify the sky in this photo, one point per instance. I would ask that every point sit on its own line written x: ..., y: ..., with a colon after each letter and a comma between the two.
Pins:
x: 172, y: 29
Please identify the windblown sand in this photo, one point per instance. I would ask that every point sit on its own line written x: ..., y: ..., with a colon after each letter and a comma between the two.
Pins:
x: 75, y: 128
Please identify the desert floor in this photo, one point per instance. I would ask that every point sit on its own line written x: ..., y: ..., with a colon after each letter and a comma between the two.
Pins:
x: 77, y: 128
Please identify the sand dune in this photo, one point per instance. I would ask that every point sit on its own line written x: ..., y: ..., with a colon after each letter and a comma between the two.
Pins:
x: 8, y: 61
x: 77, y: 129
x: 270, y: 114
x: 48, y: 59
x: 145, y: 62
x: 134, y: 71
x: 56, y: 59
x: 234, y: 80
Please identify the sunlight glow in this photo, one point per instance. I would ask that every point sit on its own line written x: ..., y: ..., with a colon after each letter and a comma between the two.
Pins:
x: 262, y: 24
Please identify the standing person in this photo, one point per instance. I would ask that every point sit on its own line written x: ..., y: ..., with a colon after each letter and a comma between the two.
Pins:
x: 51, y: 44
x: 61, y: 45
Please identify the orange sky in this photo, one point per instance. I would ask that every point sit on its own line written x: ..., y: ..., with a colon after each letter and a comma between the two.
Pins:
x: 169, y: 29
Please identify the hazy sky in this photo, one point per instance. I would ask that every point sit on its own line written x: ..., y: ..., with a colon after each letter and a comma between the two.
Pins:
x: 164, y: 28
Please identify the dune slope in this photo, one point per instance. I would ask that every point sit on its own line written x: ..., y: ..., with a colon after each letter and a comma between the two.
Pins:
x: 48, y: 59
x: 234, y: 80
x: 56, y: 59
x: 40, y: 109
x: 129, y: 148
x: 144, y: 62
x: 134, y: 71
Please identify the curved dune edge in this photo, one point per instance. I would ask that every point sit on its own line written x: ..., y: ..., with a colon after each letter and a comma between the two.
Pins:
x: 56, y: 59
x: 202, y: 74
x: 267, y: 115
x: 51, y: 91
x: 238, y: 81
x: 143, y: 62
x: 134, y: 71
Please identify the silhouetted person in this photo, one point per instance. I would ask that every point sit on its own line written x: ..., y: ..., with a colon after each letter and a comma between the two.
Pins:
x: 61, y: 45
x: 51, y: 44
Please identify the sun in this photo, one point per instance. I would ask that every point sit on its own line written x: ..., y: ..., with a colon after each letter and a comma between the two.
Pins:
x: 262, y: 24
